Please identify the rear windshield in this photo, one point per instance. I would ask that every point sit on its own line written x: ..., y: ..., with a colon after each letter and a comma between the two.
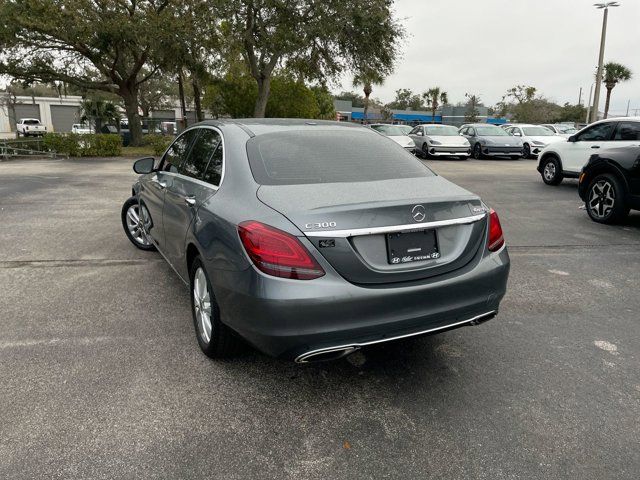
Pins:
x: 31, y: 122
x: 329, y: 156
x: 389, y: 130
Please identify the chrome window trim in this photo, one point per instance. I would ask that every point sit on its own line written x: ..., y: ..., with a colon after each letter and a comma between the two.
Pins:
x: 394, y: 228
x: 357, y: 345
x: 197, y: 180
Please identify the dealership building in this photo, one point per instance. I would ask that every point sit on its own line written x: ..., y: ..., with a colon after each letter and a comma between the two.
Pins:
x: 448, y: 114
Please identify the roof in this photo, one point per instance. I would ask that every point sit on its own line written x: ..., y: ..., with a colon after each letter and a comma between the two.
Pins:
x: 260, y: 126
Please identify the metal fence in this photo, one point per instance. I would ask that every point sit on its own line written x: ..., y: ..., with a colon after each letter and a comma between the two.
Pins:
x: 25, y: 148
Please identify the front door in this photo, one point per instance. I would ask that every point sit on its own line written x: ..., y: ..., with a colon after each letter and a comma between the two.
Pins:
x: 198, y: 178
x: 574, y: 155
x: 154, y: 185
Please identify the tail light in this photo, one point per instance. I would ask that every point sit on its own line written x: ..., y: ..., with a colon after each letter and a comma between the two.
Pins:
x: 278, y: 253
x: 496, y: 238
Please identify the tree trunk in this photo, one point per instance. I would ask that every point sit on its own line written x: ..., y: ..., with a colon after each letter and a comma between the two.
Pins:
x: 264, y: 87
x: 607, y: 101
x: 197, y: 100
x: 183, y: 103
x: 130, y: 97
x: 366, y: 108
x: 97, y: 125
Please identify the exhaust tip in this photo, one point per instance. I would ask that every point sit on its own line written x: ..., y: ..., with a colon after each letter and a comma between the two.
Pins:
x: 326, y: 355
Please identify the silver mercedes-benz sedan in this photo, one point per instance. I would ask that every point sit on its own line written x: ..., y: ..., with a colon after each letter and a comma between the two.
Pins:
x: 312, y: 239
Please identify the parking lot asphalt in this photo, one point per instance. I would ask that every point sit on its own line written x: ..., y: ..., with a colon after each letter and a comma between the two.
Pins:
x: 102, y: 377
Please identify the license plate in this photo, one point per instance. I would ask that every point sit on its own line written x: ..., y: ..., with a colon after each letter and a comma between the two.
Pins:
x: 412, y: 246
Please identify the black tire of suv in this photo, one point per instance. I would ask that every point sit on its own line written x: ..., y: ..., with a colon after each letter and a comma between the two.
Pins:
x: 526, y: 151
x: 224, y: 342
x: 557, y: 178
x: 620, y: 210
x: 123, y: 216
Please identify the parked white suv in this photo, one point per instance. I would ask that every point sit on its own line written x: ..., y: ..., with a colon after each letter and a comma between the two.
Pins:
x: 566, y: 159
x: 30, y: 126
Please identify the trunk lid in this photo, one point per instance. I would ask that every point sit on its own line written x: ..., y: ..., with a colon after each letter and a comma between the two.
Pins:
x: 350, y: 225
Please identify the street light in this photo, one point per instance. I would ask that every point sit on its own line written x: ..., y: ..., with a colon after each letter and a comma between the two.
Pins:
x: 596, y: 97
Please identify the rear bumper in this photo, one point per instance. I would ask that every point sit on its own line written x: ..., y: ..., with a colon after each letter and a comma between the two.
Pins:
x: 291, y: 318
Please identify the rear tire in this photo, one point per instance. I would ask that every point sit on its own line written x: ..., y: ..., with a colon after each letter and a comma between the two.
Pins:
x: 551, y: 171
x: 463, y: 157
x: 216, y: 340
x: 515, y: 157
x: 605, y: 200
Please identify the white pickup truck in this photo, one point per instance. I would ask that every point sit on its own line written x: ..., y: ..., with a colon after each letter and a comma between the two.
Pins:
x: 30, y: 126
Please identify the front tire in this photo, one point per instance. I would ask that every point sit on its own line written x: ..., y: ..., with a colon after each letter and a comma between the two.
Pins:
x: 551, y: 171
x: 605, y: 200
x: 477, y: 151
x: 526, y: 151
x: 135, y: 221
x: 216, y: 340
x: 425, y: 151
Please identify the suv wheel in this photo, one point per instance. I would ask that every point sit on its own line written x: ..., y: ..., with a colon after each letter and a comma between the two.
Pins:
x: 135, y: 221
x: 551, y: 171
x: 215, y: 339
x: 605, y: 200
x: 526, y: 151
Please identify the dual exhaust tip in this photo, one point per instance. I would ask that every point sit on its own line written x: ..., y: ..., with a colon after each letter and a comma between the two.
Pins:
x: 334, y: 353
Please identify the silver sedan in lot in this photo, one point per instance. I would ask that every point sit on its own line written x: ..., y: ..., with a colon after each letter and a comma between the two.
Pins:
x: 440, y: 141
x: 491, y: 141
x: 312, y: 239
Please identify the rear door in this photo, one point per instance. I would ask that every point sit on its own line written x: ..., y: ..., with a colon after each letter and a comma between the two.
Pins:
x: 154, y: 185
x: 574, y: 155
x: 197, y: 178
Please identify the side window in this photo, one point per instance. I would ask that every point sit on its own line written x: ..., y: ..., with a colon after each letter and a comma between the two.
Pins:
x: 414, y: 131
x: 471, y: 131
x: 196, y: 164
x: 464, y: 131
x: 627, y: 131
x: 213, y: 174
x: 177, y: 152
x: 597, y: 133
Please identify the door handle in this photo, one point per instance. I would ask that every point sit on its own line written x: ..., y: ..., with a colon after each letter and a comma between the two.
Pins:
x: 190, y: 200
x: 595, y: 146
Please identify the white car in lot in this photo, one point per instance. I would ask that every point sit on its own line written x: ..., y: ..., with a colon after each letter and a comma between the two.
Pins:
x: 435, y: 140
x: 561, y: 129
x: 534, y: 138
x: 81, y: 129
x: 395, y: 133
x: 566, y: 159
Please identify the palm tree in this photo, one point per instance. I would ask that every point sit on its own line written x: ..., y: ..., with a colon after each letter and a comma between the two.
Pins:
x: 434, y: 97
x: 99, y: 112
x: 614, y: 73
x: 366, y: 79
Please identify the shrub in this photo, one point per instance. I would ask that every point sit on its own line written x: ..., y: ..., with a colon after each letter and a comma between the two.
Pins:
x: 90, y: 145
x: 159, y: 143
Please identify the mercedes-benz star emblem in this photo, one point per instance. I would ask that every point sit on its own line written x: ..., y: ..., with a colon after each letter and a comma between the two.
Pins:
x: 418, y: 213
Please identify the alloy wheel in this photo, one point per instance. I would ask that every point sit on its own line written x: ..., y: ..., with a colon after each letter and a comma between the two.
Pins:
x: 602, y: 198
x: 137, y: 224
x: 549, y: 171
x: 202, y: 305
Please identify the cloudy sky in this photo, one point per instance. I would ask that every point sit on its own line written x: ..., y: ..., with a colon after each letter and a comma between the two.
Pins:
x: 488, y: 46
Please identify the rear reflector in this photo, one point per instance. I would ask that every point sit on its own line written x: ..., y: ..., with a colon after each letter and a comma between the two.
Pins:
x: 496, y: 238
x: 278, y: 253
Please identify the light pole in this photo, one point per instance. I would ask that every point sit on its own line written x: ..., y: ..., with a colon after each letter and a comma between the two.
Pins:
x: 596, y: 96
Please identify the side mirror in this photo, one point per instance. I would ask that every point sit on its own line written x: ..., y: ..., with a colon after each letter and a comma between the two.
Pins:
x: 144, y: 165
x: 572, y: 138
